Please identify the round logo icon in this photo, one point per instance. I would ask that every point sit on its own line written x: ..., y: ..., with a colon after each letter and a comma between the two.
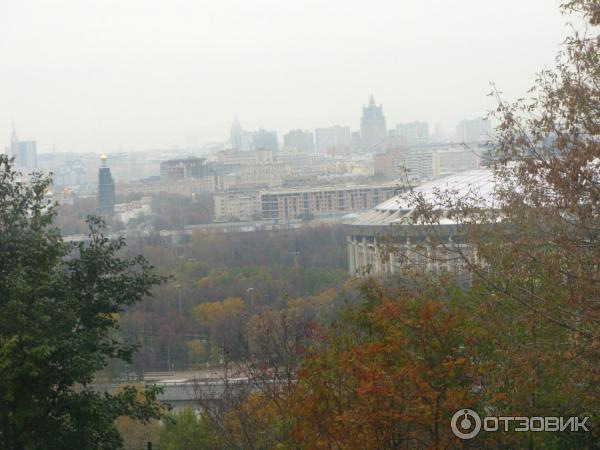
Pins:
x: 465, y: 424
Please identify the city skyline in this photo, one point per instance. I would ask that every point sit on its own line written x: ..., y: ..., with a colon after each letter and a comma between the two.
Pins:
x: 238, y: 134
x: 112, y: 77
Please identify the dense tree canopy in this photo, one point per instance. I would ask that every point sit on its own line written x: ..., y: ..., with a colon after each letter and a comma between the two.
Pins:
x: 524, y: 338
x: 263, y: 268
x: 59, y: 306
x: 320, y: 366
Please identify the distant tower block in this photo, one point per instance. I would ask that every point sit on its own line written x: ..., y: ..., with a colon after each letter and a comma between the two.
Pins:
x: 373, y: 128
x: 236, y: 135
x: 24, y: 152
x: 13, y: 137
x: 106, y: 189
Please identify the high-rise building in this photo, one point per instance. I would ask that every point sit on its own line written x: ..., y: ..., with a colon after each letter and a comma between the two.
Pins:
x: 240, y: 139
x: 332, y: 137
x: 373, y: 129
x: 236, y: 134
x: 474, y: 130
x: 265, y: 140
x: 415, y: 132
x: 24, y: 152
x: 300, y: 140
x: 106, y: 189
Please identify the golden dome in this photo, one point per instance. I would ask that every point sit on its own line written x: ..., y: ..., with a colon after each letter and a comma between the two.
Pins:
x: 103, y: 157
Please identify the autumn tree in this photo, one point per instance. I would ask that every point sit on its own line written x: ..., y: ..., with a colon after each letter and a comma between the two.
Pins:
x: 389, y: 374
x: 537, y: 245
x: 392, y: 377
x: 224, y: 321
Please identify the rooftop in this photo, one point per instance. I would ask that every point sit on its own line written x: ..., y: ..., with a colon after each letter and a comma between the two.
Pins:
x: 477, y: 182
x: 329, y: 187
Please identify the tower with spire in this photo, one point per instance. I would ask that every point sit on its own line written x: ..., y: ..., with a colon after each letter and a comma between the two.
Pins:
x: 373, y: 128
x: 24, y: 152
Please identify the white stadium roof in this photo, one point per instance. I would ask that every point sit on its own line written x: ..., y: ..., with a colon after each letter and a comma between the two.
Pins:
x: 477, y: 182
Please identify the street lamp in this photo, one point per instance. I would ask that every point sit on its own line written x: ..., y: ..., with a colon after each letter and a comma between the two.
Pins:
x: 250, y: 292
x: 178, y: 287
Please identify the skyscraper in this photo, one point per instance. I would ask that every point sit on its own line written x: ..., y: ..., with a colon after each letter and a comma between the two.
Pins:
x: 235, y: 136
x: 24, y: 152
x: 373, y: 128
x: 106, y: 189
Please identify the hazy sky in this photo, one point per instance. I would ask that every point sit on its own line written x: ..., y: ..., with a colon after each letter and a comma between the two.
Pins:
x: 136, y: 74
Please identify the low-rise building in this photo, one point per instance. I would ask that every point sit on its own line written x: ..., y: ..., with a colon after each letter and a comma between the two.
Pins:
x: 455, y: 160
x: 179, y: 169
x: 126, y: 212
x: 299, y: 160
x: 412, y: 164
x: 425, y: 163
x: 237, y: 205
x: 247, y: 158
x: 185, y: 187
x: 256, y: 175
x: 298, y: 204
x: 294, y: 204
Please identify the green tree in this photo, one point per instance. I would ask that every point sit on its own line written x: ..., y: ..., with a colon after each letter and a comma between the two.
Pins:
x: 184, y: 431
x: 59, y: 305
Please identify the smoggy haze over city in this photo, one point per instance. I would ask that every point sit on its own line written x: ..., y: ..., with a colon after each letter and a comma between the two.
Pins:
x: 138, y: 74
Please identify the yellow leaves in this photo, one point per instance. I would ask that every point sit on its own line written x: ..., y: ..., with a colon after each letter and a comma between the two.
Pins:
x: 196, y: 347
x: 196, y: 352
x: 326, y: 296
x: 207, y: 313
x: 249, y: 420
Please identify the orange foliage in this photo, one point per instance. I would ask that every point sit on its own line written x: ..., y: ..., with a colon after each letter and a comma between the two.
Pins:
x: 394, y: 384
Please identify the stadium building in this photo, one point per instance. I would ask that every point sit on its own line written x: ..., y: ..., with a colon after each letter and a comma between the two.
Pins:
x: 384, y: 241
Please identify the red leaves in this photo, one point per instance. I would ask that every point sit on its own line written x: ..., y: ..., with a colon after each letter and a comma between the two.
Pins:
x: 398, y: 383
